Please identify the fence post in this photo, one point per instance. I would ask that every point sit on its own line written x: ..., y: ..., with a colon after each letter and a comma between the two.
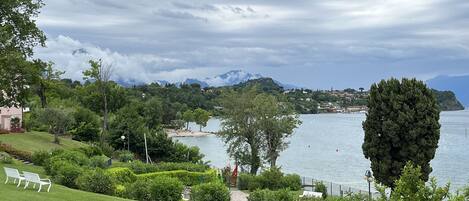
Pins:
x: 340, y: 191
x: 312, y: 185
x: 331, y: 188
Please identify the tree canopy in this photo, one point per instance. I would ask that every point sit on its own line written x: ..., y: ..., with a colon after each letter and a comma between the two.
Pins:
x: 401, y: 125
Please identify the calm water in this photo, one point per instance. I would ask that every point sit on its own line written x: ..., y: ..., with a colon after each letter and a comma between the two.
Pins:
x: 328, y: 147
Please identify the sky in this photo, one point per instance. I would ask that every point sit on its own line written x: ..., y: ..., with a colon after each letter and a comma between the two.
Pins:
x: 313, y: 43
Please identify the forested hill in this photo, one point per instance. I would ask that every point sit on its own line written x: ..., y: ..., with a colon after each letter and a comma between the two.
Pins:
x: 307, y: 101
x: 448, y: 101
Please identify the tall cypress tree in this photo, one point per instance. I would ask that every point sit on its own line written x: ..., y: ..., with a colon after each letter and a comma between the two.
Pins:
x: 401, y: 125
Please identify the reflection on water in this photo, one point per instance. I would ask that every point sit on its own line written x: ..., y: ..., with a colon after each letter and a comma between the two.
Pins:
x: 328, y: 147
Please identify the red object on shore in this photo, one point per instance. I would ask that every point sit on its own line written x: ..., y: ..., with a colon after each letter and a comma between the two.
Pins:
x: 235, y: 172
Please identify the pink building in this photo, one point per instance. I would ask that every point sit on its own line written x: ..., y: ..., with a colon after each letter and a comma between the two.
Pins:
x: 6, y: 114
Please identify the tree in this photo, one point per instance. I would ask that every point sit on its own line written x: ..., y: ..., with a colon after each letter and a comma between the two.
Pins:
x: 401, y: 126
x: 410, y: 186
x: 361, y: 89
x: 48, y: 78
x: 153, y: 112
x: 101, y: 75
x: 188, y: 116
x: 239, y: 130
x: 201, y: 117
x: 18, y: 36
x: 86, y: 126
x: 58, y: 120
x: 276, y: 122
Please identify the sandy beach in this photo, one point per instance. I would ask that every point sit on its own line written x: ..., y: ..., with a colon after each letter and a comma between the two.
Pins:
x: 186, y: 133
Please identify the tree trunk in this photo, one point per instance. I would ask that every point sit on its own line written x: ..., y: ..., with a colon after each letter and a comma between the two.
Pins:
x: 187, y: 127
x: 273, y: 161
x: 56, y: 138
x: 200, y: 128
x: 42, y: 95
x: 255, y: 160
x: 105, y: 117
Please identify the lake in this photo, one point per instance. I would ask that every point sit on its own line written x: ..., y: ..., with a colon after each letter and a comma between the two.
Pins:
x: 328, y: 147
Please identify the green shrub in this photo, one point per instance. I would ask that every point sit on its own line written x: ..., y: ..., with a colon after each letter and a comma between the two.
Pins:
x: 268, y: 195
x: 243, y: 181
x: 214, y: 191
x: 75, y: 157
x: 91, y: 150
x: 249, y: 182
x: 271, y: 178
x: 60, y: 156
x: 5, y: 158
x: 121, y: 175
x: 191, y: 167
x: 66, y: 173
x: 139, y: 167
x: 186, y: 177
x: 96, y: 181
x: 139, y: 190
x: 321, y: 188
x: 40, y: 157
x: 166, y: 189
x: 99, y: 161
x: 107, y: 149
x: 125, y: 156
x: 291, y: 181
x: 120, y: 191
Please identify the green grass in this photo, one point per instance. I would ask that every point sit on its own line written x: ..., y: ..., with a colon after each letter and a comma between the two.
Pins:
x: 57, y: 192
x: 35, y: 141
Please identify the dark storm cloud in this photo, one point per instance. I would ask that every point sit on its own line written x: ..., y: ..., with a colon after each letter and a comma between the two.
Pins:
x: 303, y: 42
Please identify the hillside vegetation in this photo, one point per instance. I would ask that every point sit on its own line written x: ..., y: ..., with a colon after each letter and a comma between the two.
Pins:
x: 57, y: 193
x: 36, y: 141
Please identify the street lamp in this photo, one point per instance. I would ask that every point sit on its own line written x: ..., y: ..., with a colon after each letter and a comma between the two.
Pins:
x: 369, y: 179
x: 123, y: 140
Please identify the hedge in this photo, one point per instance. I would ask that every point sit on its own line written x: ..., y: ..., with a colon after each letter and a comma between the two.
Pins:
x: 271, y: 179
x: 186, y: 177
x: 121, y: 175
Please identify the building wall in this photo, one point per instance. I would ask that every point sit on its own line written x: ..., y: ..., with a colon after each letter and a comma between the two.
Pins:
x: 6, y: 114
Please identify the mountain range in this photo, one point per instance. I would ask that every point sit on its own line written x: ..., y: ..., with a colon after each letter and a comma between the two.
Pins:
x: 457, y: 84
x: 230, y: 78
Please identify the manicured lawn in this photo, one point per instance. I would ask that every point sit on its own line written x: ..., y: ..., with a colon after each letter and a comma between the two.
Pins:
x: 57, y: 192
x: 35, y: 141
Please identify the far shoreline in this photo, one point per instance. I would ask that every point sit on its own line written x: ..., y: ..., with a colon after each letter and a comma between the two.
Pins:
x: 187, y: 133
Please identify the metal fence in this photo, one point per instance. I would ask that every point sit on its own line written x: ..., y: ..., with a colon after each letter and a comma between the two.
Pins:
x: 335, y: 189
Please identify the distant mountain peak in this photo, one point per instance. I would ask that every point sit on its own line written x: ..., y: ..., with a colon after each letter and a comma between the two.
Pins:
x: 80, y: 51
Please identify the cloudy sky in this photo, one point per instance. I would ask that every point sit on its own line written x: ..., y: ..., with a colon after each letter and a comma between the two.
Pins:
x: 313, y: 43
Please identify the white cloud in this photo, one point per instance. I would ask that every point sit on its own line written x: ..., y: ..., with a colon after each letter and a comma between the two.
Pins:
x: 305, y: 41
x: 72, y: 56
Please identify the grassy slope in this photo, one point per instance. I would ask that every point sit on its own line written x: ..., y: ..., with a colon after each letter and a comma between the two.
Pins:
x: 34, y: 141
x: 57, y: 192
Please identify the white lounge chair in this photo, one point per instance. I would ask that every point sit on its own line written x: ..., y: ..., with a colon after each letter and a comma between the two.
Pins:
x: 35, y: 179
x: 13, y: 173
x: 311, y: 194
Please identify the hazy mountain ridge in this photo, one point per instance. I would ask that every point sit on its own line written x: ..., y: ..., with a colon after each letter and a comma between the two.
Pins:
x: 457, y: 84
x: 230, y: 78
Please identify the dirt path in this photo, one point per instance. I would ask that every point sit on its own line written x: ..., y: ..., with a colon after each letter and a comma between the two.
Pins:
x: 237, y: 195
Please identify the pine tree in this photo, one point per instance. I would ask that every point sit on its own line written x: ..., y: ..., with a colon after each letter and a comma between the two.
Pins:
x: 401, y: 125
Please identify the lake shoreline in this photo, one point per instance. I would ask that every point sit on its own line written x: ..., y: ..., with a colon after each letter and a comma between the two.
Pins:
x: 187, y: 133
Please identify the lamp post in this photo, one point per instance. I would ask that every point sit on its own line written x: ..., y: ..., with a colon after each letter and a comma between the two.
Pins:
x: 123, y: 140
x: 369, y: 179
